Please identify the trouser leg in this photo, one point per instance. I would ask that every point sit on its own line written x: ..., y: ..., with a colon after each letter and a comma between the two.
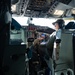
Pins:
x: 50, y: 65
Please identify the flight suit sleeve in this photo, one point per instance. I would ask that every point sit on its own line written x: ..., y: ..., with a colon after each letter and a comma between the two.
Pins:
x: 58, y: 34
x: 50, y: 43
x: 57, y: 45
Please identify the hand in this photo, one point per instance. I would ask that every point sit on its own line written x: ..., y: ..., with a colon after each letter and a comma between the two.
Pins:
x: 37, y: 41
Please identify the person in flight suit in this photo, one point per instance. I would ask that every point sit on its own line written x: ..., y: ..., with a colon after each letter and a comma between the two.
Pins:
x: 54, y: 37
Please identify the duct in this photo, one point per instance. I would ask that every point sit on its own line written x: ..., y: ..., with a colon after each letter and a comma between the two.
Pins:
x: 22, y: 7
x: 25, y: 6
x: 57, y: 7
x: 72, y: 3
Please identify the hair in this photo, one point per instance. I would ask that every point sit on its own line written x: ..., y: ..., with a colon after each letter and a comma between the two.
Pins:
x: 60, y: 23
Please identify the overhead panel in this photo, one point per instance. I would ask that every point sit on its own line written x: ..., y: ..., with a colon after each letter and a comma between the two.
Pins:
x: 42, y: 8
x: 38, y: 8
x: 38, y: 5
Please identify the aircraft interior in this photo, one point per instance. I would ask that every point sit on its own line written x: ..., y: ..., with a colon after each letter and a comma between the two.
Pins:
x: 17, y: 42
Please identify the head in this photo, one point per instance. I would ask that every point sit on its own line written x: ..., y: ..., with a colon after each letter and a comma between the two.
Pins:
x: 59, y: 24
x: 43, y: 36
x: 56, y: 25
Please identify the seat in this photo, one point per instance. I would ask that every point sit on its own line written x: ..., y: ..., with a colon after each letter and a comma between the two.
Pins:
x: 65, y: 60
x: 14, y: 60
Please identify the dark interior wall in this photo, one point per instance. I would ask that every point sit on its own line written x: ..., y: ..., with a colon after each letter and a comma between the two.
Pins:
x: 74, y: 50
x: 4, y: 28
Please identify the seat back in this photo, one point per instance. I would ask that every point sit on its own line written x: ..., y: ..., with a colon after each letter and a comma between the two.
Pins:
x: 14, y: 60
x: 66, y: 51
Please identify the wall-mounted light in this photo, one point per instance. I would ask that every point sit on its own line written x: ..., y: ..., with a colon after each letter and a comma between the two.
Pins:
x: 13, y: 8
x: 58, y: 12
x: 73, y: 11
